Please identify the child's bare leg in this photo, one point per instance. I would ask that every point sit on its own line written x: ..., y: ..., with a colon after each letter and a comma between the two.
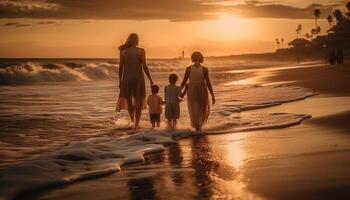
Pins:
x: 158, y: 124
x: 153, y: 124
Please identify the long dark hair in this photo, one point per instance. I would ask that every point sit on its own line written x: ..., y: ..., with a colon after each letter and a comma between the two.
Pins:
x: 132, y: 41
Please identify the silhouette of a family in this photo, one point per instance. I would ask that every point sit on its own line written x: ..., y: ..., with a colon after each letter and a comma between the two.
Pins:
x: 132, y: 97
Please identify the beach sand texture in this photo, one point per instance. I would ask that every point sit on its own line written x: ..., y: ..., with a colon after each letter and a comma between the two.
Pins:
x: 251, y: 149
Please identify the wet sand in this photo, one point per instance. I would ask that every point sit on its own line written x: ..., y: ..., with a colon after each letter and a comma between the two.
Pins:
x: 326, y: 80
x: 308, y: 161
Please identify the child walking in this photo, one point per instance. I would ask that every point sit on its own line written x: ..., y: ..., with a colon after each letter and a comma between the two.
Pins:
x: 172, y: 101
x: 155, y: 103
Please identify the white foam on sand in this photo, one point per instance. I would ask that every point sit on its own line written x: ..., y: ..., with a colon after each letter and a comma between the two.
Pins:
x: 251, y: 97
x: 102, y: 156
x: 78, y: 161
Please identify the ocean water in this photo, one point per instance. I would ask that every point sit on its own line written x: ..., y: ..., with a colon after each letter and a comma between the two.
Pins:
x: 58, y: 124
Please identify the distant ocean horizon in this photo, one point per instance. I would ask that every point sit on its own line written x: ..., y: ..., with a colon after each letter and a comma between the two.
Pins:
x: 148, y: 58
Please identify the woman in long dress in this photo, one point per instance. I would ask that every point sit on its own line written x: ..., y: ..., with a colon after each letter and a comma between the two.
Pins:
x: 132, y: 64
x: 197, y: 94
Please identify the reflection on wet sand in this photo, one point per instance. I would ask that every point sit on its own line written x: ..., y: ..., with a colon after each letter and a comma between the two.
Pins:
x: 215, y: 166
x: 195, y: 184
x: 219, y: 164
x: 201, y: 167
x: 204, y: 164
x: 143, y: 188
x: 175, y: 159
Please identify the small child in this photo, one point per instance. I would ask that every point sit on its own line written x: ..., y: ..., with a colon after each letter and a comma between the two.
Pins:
x: 172, y: 100
x: 155, y: 103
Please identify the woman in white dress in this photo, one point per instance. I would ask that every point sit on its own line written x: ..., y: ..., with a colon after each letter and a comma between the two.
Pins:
x: 197, y: 95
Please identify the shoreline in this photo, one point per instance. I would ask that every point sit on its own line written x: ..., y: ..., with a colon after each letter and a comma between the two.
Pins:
x: 326, y: 80
x: 241, y: 165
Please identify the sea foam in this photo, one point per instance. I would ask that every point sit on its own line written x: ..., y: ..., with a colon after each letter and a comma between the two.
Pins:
x: 32, y: 72
x: 31, y: 114
x: 37, y: 71
x: 103, y: 156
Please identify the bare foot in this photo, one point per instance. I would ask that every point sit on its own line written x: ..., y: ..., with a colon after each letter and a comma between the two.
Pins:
x: 198, y: 129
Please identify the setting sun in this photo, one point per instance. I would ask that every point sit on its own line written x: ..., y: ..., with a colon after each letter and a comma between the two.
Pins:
x: 174, y: 99
x: 228, y: 27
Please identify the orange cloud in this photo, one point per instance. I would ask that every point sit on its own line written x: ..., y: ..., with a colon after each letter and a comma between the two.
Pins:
x: 179, y: 10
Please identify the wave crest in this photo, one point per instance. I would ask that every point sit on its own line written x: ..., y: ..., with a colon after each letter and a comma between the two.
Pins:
x: 31, y: 72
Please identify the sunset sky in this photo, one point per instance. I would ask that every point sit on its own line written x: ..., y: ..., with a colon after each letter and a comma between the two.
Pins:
x: 94, y: 28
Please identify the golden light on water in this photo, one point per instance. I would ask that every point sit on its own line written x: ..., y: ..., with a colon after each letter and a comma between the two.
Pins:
x: 236, y: 154
x: 225, y: 28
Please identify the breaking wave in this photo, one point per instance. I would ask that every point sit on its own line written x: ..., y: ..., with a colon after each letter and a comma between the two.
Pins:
x: 24, y: 72
x: 31, y: 72
x: 108, y: 150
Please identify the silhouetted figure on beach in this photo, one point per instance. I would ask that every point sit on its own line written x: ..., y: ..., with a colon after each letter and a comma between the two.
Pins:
x: 173, y: 95
x: 340, y: 56
x: 332, y: 58
x: 199, y: 84
x: 132, y: 64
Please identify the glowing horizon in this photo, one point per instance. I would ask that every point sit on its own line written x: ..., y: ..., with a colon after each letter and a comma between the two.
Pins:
x: 217, y: 28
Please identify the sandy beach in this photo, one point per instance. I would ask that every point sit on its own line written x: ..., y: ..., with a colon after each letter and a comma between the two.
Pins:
x: 313, y: 161
x: 307, y: 161
x: 190, y: 99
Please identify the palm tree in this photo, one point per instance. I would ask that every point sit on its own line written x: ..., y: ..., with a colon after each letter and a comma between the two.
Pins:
x: 338, y: 15
x: 278, y: 43
x: 330, y: 20
x: 282, y: 41
x: 317, y: 14
x: 348, y: 7
x: 298, y: 30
